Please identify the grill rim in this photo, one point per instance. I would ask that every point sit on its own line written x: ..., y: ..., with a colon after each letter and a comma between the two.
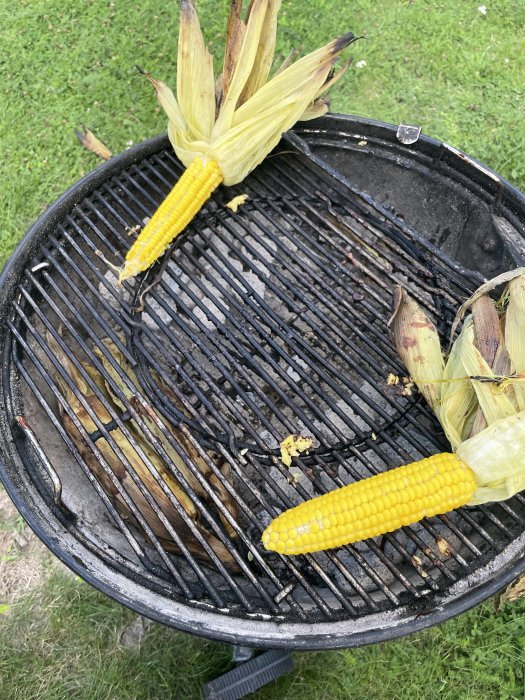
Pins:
x: 263, y: 633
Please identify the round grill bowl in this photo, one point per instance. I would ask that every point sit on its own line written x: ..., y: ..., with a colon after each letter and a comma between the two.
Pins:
x: 447, y: 223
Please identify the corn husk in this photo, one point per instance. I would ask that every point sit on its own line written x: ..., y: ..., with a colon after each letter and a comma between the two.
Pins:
x: 134, y: 461
x: 235, y: 30
x: 496, y: 455
x: 492, y: 399
x: 181, y: 438
x: 262, y: 63
x: 484, y: 289
x: 515, y: 334
x: 205, y: 470
x: 458, y: 400
x: 514, y: 592
x: 478, y: 397
x: 489, y: 340
x: 195, y: 81
x: 417, y: 343
x: 249, y: 112
x: 88, y: 139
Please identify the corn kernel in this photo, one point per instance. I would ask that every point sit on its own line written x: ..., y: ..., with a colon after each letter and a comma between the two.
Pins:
x: 425, y: 488
x: 174, y: 214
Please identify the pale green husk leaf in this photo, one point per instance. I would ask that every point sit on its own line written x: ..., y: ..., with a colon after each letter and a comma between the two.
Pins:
x: 240, y: 124
x: 458, y: 398
x: 491, y: 396
x: 515, y: 334
x: 496, y: 455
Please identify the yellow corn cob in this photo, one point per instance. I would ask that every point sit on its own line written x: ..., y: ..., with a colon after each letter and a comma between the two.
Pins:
x: 194, y: 188
x: 373, y: 506
x: 221, y: 130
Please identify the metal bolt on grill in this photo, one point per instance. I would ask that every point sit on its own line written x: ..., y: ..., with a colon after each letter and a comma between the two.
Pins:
x: 264, y: 322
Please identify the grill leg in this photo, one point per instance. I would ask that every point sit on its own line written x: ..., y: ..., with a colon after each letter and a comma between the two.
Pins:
x: 252, y: 671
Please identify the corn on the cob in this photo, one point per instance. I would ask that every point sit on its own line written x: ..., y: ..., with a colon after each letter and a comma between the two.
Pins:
x: 466, y: 394
x: 180, y: 206
x: 373, y: 506
x: 231, y: 127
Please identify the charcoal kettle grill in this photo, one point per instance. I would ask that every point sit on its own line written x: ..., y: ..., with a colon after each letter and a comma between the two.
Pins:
x: 263, y: 322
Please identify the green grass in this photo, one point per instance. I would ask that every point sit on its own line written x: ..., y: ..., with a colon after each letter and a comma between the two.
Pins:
x: 443, y: 65
x: 63, y: 642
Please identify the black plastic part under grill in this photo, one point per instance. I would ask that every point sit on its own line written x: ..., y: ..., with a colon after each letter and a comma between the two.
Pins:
x: 249, y: 676
x: 265, y: 322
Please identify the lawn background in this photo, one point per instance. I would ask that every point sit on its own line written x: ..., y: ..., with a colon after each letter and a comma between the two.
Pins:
x: 448, y: 66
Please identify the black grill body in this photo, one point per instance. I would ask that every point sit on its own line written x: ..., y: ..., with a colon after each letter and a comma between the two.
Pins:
x: 267, y: 321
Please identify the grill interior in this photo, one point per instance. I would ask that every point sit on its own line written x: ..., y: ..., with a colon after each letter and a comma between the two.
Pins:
x: 265, y: 322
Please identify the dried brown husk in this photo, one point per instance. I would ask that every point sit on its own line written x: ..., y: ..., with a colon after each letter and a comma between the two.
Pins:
x: 235, y: 30
x: 514, y: 592
x: 265, y: 51
x: 489, y: 340
x: 492, y: 397
x: 225, y: 470
x: 417, y: 343
x: 481, y: 291
x: 88, y: 139
x: 153, y: 419
x: 142, y: 469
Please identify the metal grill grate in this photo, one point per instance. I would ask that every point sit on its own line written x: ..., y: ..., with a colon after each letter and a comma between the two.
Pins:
x: 265, y: 322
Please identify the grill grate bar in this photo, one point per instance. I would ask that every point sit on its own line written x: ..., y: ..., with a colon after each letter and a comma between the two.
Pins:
x: 326, y: 294
x: 107, y: 502
x: 343, y: 354
x: 384, y: 262
x: 378, y: 230
x: 107, y: 435
x: 311, y: 592
x: 313, y: 162
x: 47, y: 408
x: 235, y: 464
x: 425, y: 525
x: 507, y: 508
x: 250, y: 338
x: 210, y: 463
x: 107, y: 328
x: 241, y: 392
x: 377, y: 551
x: 274, y: 487
x: 243, y: 356
x: 298, y: 347
x: 326, y: 266
x: 438, y: 562
x: 203, y: 375
x: 265, y: 322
